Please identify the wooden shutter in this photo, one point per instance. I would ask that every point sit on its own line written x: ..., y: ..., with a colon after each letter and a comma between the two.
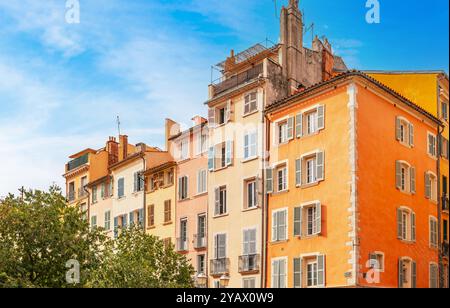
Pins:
x: 180, y: 188
x: 398, y: 130
x: 228, y: 112
x: 413, y: 274
x: 282, y: 225
x: 269, y: 180
x: 124, y: 220
x: 229, y: 153
x: 290, y: 128
x: 185, y: 187
x: 222, y: 249
x: 411, y: 135
x: 274, y: 226
x: 321, y: 270
x: 141, y: 217
x: 275, y: 274
x: 320, y: 166
x: 298, y: 172
x: 400, y: 273
x: 427, y: 186
x: 297, y: 272
x: 212, y: 117
x: 318, y: 220
x: 299, y: 125
x: 116, y: 227
x: 298, y: 221
x: 211, y: 159
x: 252, y: 241
x: 398, y: 174
x: 413, y: 227
x: 413, y: 179
x: 282, y: 273
x: 399, y: 224
x: 131, y: 218
x: 246, y: 244
x: 321, y: 117
x: 216, y: 201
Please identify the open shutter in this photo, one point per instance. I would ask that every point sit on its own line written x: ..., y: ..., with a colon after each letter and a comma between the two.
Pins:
x: 318, y: 219
x: 258, y: 191
x: 211, y: 160
x: 269, y: 180
x: 211, y: 117
x: 427, y: 186
x: 229, y: 153
x: 124, y: 220
x: 290, y: 128
x: 135, y: 182
x: 298, y: 221
x: 321, y: 270
x: 399, y: 224
x: 180, y: 188
x: 185, y: 187
x: 400, y: 273
x: 222, y: 245
x: 398, y: 130
x: 228, y: 112
x: 321, y: 117
x: 216, y: 201
x: 298, y: 172
x: 398, y: 175
x: 297, y: 272
x: 275, y: 226
x: 411, y: 135
x: 413, y: 179
x: 320, y: 166
x: 413, y: 227
x: 299, y: 125
x: 413, y: 274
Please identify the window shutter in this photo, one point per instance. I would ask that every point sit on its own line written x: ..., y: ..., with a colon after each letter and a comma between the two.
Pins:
x: 298, y: 172
x: 185, y: 187
x: 116, y: 227
x: 414, y: 275
x: 228, y: 112
x: 298, y: 221
x: 398, y: 175
x: 216, y: 201
x: 229, y: 153
x: 297, y: 272
x: 321, y: 117
x: 321, y: 270
x: 400, y: 273
x: 299, y: 125
x: 427, y: 186
x: 399, y: 223
x: 275, y: 226
x: 135, y: 182
x: 222, y: 246
x: 411, y: 135
x: 282, y: 225
x: 247, y: 104
x: 211, y: 117
x: 413, y: 179
x: 373, y: 263
x: 413, y: 227
x: 180, y: 188
x: 275, y: 274
x: 246, y: 242
x: 282, y: 274
x: 318, y: 220
x: 141, y: 217
x: 131, y: 218
x: 211, y: 161
x: 398, y: 129
x: 124, y: 220
x: 320, y: 166
x: 290, y: 128
x: 269, y: 180
x: 252, y: 240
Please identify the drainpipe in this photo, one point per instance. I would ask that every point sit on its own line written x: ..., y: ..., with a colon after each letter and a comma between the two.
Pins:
x: 144, y: 212
x: 265, y: 218
x: 440, y: 129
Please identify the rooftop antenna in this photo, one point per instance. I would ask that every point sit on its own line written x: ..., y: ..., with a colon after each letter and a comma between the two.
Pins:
x: 118, y: 124
x: 310, y: 28
x: 276, y: 9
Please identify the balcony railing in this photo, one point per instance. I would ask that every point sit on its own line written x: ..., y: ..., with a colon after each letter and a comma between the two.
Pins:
x: 71, y: 196
x: 78, y: 162
x: 236, y: 80
x: 200, y: 241
x: 82, y: 193
x: 182, y: 244
x: 249, y: 263
x: 220, y: 266
x: 445, y: 202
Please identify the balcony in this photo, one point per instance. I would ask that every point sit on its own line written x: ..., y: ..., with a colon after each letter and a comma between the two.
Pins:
x: 82, y: 160
x: 200, y: 241
x: 234, y: 81
x: 182, y: 244
x: 445, y: 203
x: 220, y: 266
x: 249, y: 264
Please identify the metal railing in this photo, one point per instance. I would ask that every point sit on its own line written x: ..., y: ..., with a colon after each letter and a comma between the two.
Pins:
x: 82, y: 160
x: 182, y: 244
x: 445, y: 202
x: 236, y: 80
x: 220, y: 266
x: 71, y: 196
x: 200, y: 241
x: 249, y: 263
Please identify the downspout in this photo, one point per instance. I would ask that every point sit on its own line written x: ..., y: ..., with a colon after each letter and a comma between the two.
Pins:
x: 144, y: 212
x: 440, y: 129
x: 266, y: 203
x: 263, y: 201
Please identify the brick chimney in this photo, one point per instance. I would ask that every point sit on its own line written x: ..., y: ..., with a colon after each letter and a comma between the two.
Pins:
x: 327, y: 61
x: 123, y: 139
x: 112, y: 147
x: 197, y: 120
x: 172, y: 129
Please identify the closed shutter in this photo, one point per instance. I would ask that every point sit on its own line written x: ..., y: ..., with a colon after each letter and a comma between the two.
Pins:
x: 321, y: 270
x: 321, y: 117
x: 250, y: 242
x: 222, y: 249
x: 275, y: 226
x: 398, y: 129
x: 414, y: 275
x: 269, y: 180
x: 217, y: 201
x: 124, y: 220
x: 290, y: 128
x: 413, y: 227
x: 141, y: 217
x: 246, y: 244
x: 398, y: 175
x: 433, y: 276
x: 298, y: 172
x: 180, y: 188
x: 411, y: 135
x: 211, y: 160
x: 399, y: 224
x: 413, y: 179
x: 298, y: 221
x: 320, y: 166
x: 185, y: 187
x: 135, y: 183
x: 275, y: 274
x: 299, y: 125
x: 212, y: 117
x: 427, y: 186
x: 400, y: 273
x: 282, y: 283
x: 282, y: 225
x: 297, y: 272
x: 318, y: 219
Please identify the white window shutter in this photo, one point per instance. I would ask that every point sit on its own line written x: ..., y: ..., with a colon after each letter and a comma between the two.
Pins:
x: 212, y: 117
x: 246, y: 248
x: 427, y: 186
x: 275, y: 274
x: 275, y: 226
x: 228, y: 112
x: 413, y: 227
x: 320, y: 166
x: 411, y: 135
x: 398, y: 130
x: 398, y: 174
x: 321, y: 117
x: 298, y: 172
x: 211, y: 159
x: 282, y: 274
x: 269, y: 180
x: 290, y: 128
x: 298, y: 221
x: 413, y: 179
x: 229, y: 153
x: 216, y: 201
x: 297, y: 272
x: 321, y: 270
x: 399, y: 224
x: 400, y: 273
x: 299, y: 125
x: 318, y: 220
x: 282, y: 225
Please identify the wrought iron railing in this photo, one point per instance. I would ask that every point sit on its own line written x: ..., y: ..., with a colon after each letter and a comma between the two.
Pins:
x: 249, y: 263
x: 220, y: 266
x: 82, y: 160
x: 200, y: 241
x: 238, y: 79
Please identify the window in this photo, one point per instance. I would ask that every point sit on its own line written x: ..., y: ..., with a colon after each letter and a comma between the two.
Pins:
x: 434, y: 276
x: 279, y: 225
x: 431, y: 186
x: 445, y: 230
x: 405, y: 177
x: 219, y: 115
x: 251, y: 193
x: 201, y: 142
x: 108, y: 220
x: 281, y: 183
x: 202, y: 183
x: 404, y: 131
x: 250, y: 103
x: 314, y: 266
x: 376, y: 261
x: 279, y: 269
x: 103, y: 191
x: 432, y: 145
x: 83, y: 209
x: 170, y: 177
x: 249, y: 283
x: 312, y: 274
x: 285, y: 130
x: 167, y: 243
x: 220, y: 201
x: 444, y: 110
x: 71, y: 189
x: 183, y: 188
x: 201, y: 264
x: 407, y: 273
x: 310, y: 122
x: 444, y: 145
x: 121, y: 188
x: 224, y: 152
x: 167, y: 211
x: 249, y: 245
x: 310, y: 169
x: 94, y: 222
x: 308, y: 220
x: 220, y: 246
x: 184, y: 149
x: 138, y: 182
x: 94, y: 194
x: 406, y: 224
x: 201, y: 231
x: 433, y: 232
x: 183, y: 236
x: 151, y: 215
x: 250, y: 145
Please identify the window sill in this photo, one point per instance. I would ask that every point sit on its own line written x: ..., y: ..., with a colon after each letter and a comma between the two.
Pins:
x: 221, y: 215
x: 245, y: 115
x: 306, y: 136
x: 406, y: 145
x: 274, y: 243
x: 221, y: 168
x: 201, y: 194
x: 246, y: 160
x: 121, y: 198
x: 305, y: 186
x: 308, y: 237
x: 167, y: 223
x: 251, y: 209
x: 408, y: 242
x: 184, y: 200
x: 280, y: 192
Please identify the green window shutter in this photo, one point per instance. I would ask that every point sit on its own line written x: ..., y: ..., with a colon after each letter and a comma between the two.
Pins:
x: 299, y: 125
x: 298, y: 272
x: 321, y: 270
x: 298, y: 172
x: 298, y: 221
x: 414, y: 275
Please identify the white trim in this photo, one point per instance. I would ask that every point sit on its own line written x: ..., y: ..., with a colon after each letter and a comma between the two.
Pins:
x: 311, y: 153
x: 305, y: 204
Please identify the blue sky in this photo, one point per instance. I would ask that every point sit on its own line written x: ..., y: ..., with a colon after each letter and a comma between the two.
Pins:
x: 62, y: 85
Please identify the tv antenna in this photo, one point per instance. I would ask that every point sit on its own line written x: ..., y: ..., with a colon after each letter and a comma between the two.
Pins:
x: 118, y: 124
x: 310, y: 28
x: 276, y: 9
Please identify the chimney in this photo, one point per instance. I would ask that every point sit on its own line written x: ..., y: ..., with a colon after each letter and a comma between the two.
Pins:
x: 113, y: 151
x: 197, y: 120
x: 172, y: 129
x: 124, y: 145
x: 327, y: 61
x: 141, y: 147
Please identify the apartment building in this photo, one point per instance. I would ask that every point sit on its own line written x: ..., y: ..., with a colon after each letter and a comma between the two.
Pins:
x: 352, y: 188
x: 250, y: 81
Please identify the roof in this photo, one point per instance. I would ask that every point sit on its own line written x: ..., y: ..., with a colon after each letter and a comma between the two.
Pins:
x: 85, y: 151
x: 98, y: 181
x: 343, y: 76
x: 160, y: 167
x: 189, y: 130
x: 246, y: 54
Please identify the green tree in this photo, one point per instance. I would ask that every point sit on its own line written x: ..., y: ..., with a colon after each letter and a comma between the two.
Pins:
x: 139, y: 260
